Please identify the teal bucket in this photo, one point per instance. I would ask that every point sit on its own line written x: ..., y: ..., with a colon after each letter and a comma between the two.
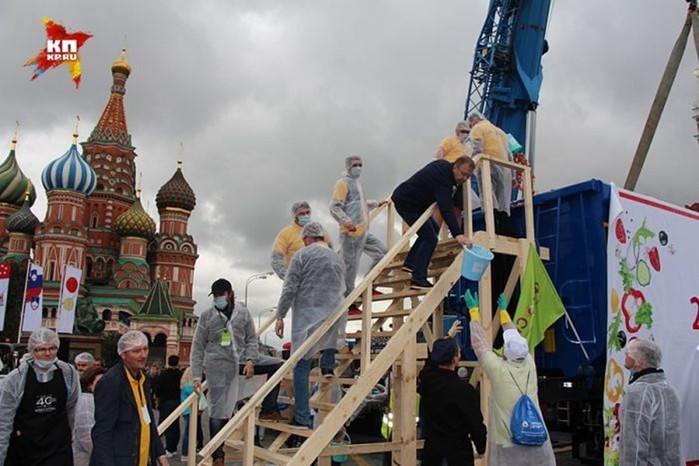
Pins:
x: 476, y: 260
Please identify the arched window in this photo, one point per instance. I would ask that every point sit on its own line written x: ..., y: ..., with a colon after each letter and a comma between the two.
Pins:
x: 107, y: 315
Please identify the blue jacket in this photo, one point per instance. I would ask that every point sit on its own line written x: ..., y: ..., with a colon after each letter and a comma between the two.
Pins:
x: 432, y: 183
x: 117, y: 430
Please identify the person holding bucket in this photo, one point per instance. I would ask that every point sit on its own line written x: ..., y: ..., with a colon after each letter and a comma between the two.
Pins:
x: 433, y: 183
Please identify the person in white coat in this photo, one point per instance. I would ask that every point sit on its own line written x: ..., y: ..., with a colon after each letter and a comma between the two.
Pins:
x: 85, y: 416
x: 508, y: 375
x: 313, y: 289
x: 650, y: 411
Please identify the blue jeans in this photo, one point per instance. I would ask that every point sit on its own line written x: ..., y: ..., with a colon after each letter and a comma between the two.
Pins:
x: 302, y: 411
x: 215, y: 425
x: 421, y: 252
x: 185, y: 437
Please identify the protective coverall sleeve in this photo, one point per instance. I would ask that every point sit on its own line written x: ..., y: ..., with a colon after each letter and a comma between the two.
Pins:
x: 372, y: 204
x: 252, y: 349
x: 291, y: 287
x: 73, y: 393
x: 201, y: 336
x: 479, y: 340
x: 84, y: 421
x: 278, y: 264
x: 439, y: 152
x: 337, y: 204
x: 10, y: 397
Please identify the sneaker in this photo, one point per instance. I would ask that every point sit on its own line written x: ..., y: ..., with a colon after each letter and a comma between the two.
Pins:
x: 375, y: 292
x: 327, y: 372
x: 407, y: 268
x: 294, y: 424
x: 354, y: 310
x: 170, y: 454
x: 219, y: 462
x: 417, y: 284
x: 184, y: 459
x: 274, y: 416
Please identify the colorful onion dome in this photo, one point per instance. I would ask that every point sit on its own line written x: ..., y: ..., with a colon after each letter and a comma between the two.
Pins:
x: 176, y: 192
x: 135, y: 222
x: 13, y: 183
x: 22, y: 221
x: 70, y: 171
x: 121, y: 65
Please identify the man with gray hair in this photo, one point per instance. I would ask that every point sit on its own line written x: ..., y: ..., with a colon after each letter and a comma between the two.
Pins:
x: 125, y: 432
x: 313, y: 290
x: 351, y: 210
x: 289, y: 239
x: 37, y: 406
x: 650, y: 410
x: 83, y: 362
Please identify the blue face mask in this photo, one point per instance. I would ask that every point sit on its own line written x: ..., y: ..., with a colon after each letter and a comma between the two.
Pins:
x: 303, y: 219
x: 220, y: 303
x: 41, y: 364
x: 355, y: 172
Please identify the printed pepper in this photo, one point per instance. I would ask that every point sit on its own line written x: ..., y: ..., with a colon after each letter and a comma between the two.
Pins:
x: 637, y: 296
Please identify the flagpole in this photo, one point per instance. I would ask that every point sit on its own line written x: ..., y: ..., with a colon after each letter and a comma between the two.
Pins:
x: 575, y: 331
x: 60, y: 298
x: 24, y: 297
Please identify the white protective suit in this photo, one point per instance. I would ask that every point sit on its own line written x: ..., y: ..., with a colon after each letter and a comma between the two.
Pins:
x: 84, y: 422
x: 356, y: 208
x: 313, y: 288
x: 13, y: 390
x: 504, y: 394
x: 650, y: 423
x: 500, y: 177
x: 221, y: 362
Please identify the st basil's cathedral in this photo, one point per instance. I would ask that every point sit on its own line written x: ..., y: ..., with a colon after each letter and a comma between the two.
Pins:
x: 134, y: 276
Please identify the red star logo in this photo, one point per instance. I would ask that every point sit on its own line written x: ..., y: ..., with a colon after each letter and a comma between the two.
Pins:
x: 61, y: 48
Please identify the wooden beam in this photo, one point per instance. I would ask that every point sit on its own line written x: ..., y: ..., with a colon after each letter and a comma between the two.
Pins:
x: 528, y: 204
x: 404, y: 412
x: 249, y: 442
x: 270, y: 456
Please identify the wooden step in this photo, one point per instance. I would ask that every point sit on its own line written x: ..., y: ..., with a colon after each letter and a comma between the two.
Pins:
x: 382, y: 314
x: 312, y: 403
x: 358, y: 335
x: 399, y: 295
x: 272, y: 457
x: 391, y: 281
x: 284, y: 427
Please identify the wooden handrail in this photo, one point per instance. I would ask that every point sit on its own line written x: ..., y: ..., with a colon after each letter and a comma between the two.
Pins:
x: 249, y: 409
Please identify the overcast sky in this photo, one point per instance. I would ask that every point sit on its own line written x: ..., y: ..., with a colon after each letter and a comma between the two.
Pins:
x: 269, y: 97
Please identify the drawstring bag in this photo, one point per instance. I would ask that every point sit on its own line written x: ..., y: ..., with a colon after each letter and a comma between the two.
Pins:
x: 526, y: 426
x: 338, y: 442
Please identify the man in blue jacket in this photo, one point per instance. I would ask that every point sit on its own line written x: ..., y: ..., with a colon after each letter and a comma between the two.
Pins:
x: 125, y: 433
x: 435, y: 182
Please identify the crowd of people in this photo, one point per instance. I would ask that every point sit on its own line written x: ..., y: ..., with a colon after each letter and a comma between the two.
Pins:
x: 53, y: 413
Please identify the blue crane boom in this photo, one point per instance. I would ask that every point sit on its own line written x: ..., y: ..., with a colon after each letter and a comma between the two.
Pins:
x: 507, y: 75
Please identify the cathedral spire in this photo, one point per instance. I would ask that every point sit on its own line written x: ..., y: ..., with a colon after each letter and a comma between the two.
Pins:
x: 112, y: 124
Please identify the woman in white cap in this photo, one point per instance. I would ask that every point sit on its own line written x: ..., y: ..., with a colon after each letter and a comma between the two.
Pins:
x: 37, y: 406
x: 511, y: 376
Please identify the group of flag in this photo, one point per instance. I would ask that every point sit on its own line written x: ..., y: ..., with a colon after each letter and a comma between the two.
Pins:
x: 33, y: 304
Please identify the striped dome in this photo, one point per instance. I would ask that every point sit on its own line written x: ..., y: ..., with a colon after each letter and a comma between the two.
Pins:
x: 71, y: 172
x: 176, y: 193
x: 13, y: 183
x: 135, y: 222
x: 22, y: 221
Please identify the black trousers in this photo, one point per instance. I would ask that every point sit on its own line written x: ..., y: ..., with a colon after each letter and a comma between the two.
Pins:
x: 455, y: 453
x: 172, y: 434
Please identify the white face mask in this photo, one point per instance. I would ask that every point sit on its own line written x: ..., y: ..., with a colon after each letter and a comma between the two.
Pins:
x: 355, y: 172
x: 220, y: 303
x: 41, y: 364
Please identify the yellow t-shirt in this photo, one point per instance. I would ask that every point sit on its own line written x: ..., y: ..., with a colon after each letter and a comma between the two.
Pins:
x: 289, y: 241
x: 491, y: 138
x: 451, y: 148
x: 141, y: 401
x: 340, y: 194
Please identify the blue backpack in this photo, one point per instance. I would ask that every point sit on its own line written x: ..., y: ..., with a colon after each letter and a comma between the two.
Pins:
x: 526, y: 425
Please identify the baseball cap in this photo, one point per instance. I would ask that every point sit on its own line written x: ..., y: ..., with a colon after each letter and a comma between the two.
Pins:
x: 221, y: 285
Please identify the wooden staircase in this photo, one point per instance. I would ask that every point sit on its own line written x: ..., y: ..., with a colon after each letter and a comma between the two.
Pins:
x: 409, y: 312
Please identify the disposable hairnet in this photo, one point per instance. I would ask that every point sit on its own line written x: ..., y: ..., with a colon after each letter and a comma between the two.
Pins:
x: 462, y: 125
x: 475, y: 117
x: 313, y: 230
x: 351, y: 159
x: 131, y: 340
x: 84, y: 357
x: 515, y: 347
x: 299, y: 205
x: 646, y: 352
x: 41, y: 337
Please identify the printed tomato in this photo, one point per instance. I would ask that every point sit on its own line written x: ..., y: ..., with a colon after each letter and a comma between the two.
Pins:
x: 654, y: 258
x: 620, y: 231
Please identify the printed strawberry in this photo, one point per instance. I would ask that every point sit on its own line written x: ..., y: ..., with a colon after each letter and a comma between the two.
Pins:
x: 620, y: 231
x: 654, y: 258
